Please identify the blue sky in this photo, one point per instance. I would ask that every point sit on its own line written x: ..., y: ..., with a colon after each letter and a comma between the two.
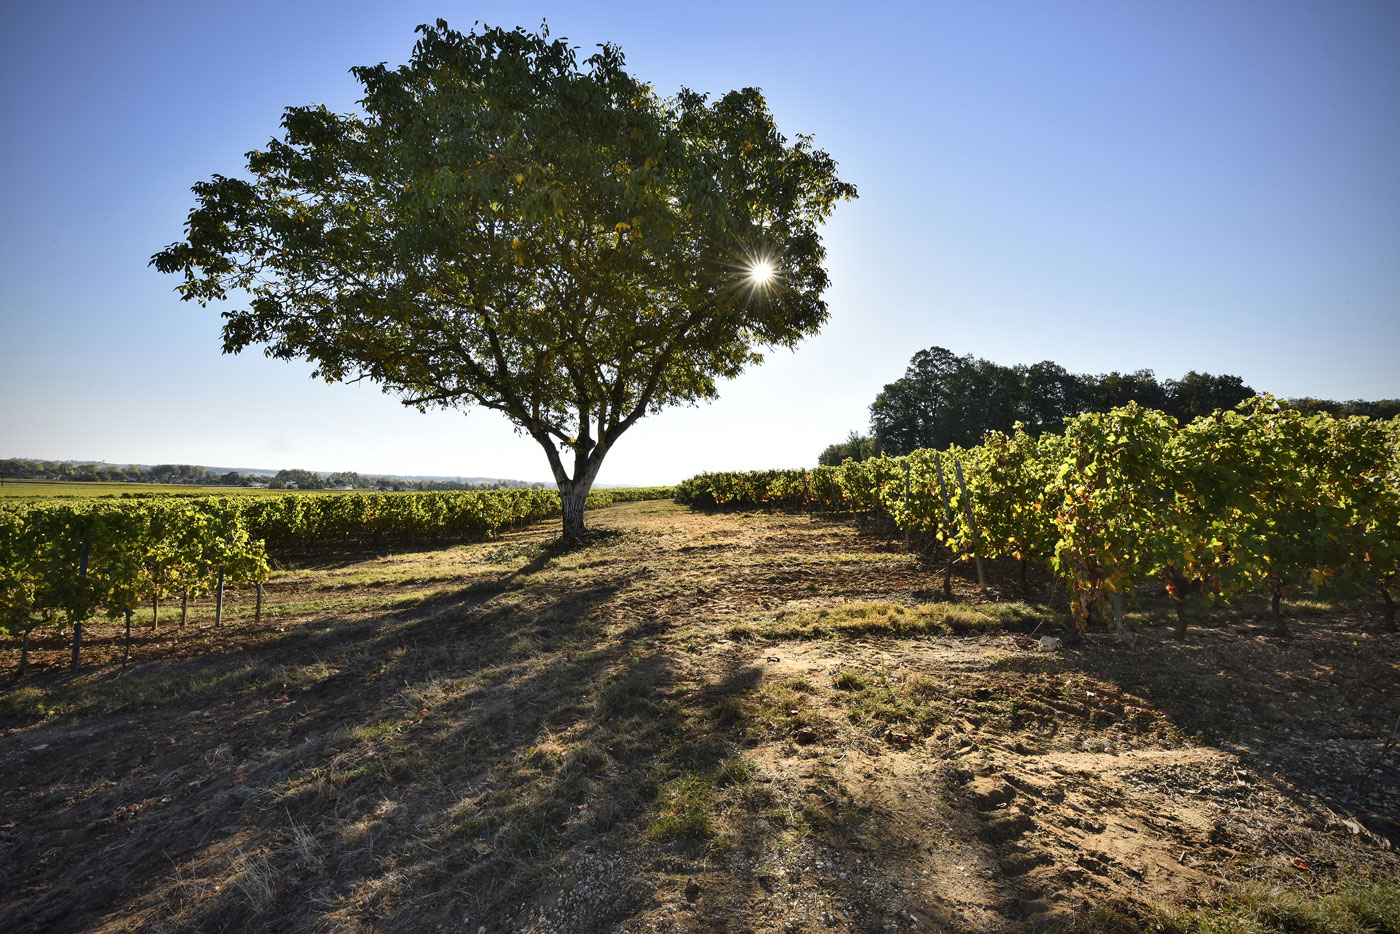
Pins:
x: 1109, y: 185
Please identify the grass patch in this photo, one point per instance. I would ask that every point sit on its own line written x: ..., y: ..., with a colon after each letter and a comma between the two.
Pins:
x: 882, y: 618
x: 85, y: 696
x: 850, y: 680
x: 684, y: 807
x: 689, y: 804
x: 780, y: 709
x: 911, y: 702
x: 1369, y: 906
x: 378, y: 729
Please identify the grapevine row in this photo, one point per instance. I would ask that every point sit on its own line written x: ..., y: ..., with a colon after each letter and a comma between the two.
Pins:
x: 63, y: 563
x: 1258, y: 496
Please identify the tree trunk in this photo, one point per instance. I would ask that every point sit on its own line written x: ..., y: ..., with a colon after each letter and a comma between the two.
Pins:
x: 1025, y: 575
x: 219, y: 601
x: 1280, y: 624
x: 572, y: 502
x: 1389, y: 609
x: 184, y: 607
x: 155, y: 612
x: 23, y: 655
x: 126, y: 653
x: 1079, y: 617
x: 1073, y: 634
x: 257, y: 613
x: 573, y: 494
x: 1180, y: 632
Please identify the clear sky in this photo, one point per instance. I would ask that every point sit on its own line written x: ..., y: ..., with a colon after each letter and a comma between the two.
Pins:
x: 1171, y: 185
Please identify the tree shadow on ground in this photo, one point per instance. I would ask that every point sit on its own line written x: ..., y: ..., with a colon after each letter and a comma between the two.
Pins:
x: 443, y: 761
x: 318, y: 730
x: 565, y: 746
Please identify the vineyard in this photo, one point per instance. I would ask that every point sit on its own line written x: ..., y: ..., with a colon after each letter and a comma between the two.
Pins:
x: 63, y: 563
x: 1260, y: 497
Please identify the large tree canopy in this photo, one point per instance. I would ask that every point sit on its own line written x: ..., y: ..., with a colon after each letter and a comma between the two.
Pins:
x: 945, y: 399
x: 502, y: 227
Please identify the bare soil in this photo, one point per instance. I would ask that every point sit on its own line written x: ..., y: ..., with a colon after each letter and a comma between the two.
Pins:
x: 693, y: 723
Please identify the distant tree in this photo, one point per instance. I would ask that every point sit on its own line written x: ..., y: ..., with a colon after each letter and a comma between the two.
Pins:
x: 1112, y: 390
x: 1049, y: 395
x: 919, y: 409
x: 232, y: 478
x: 303, y: 479
x: 857, y: 447
x: 944, y: 399
x: 1383, y: 409
x: 502, y: 228
x: 1198, y: 394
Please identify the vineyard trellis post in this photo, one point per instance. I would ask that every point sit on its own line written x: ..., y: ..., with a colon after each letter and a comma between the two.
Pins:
x: 78, y: 623
x: 907, y: 468
x: 1118, y: 618
x: 971, y: 525
x: 948, y: 524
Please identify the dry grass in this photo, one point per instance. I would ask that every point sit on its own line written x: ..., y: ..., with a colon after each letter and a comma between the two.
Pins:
x: 691, y: 723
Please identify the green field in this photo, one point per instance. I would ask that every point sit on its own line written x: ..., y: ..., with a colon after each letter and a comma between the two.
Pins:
x: 73, y: 489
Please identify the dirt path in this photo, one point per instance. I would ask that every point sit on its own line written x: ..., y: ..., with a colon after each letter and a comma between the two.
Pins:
x: 696, y: 723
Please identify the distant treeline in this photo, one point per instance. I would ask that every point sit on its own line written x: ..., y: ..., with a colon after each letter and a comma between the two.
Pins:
x: 20, y: 469
x: 945, y: 400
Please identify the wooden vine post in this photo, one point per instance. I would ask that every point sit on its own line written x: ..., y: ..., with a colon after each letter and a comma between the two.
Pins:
x: 907, y: 468
x: 971, y: 525
x: 947, y: 524
x: 219, y: 601
x: 78, y: 624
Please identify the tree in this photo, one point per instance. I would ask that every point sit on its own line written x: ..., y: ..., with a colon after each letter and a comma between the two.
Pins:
x: 1383, y: 409
x: 1114, y: 390
x: 945, y: 399
x: 857, y: 447
x: 1199, y: 394
x: 504, y: 228
x: 304, y: 479
x: 914, y: 411
x: 1050, y: 394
